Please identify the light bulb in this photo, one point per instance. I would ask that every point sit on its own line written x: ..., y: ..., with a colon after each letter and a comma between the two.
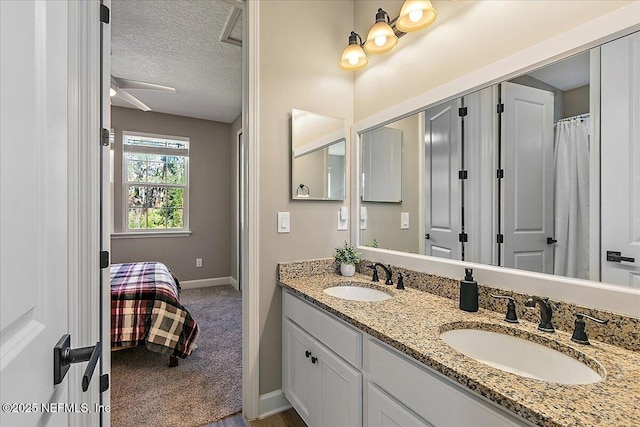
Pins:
x: 415, y: 15
x: 380, y: 40
x: 112, y: 92
x: 353, y: 59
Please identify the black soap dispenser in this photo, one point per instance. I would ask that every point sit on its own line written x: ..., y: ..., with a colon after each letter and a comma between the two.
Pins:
x: 468, y: 292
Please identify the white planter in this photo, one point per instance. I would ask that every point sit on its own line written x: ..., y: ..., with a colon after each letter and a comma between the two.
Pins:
x: 347, y: 269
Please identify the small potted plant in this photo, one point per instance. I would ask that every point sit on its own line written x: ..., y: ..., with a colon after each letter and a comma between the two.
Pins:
x: 348, y: 258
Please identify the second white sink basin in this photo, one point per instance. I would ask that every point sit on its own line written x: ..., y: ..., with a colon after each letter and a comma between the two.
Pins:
x: 357, y: 293
x: 520, y: 356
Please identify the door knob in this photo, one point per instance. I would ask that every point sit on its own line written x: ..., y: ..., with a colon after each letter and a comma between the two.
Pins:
x: 551, y: 241
x: 64, y: 356
x: 426, y: 236
x: 614, y: 256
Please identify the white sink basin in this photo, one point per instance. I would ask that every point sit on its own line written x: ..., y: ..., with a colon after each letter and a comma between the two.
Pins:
x: 520, y: 356
x: 357, y: 293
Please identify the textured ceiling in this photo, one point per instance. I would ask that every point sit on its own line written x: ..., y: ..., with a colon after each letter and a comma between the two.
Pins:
x: 177, y: 43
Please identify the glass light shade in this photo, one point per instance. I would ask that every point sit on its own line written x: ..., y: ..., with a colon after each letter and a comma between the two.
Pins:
x: 416, y: 15
x: 353, y: 58
x: 112, y: 91
x: 381, y: 38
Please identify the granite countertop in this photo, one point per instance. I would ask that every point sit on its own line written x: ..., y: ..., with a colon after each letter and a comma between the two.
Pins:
x: 412, y: 321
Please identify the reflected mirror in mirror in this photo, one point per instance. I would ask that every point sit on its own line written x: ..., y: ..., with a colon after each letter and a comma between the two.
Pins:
x: 507, y: 175
x: 382, y: 164
x: 318, y: 156
x: 389, y: 163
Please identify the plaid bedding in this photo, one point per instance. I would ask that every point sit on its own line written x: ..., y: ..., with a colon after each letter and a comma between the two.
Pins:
x: 145, y: 309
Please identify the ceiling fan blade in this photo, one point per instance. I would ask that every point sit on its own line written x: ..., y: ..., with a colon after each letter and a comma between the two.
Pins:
x: 126, y: 96
x: 134, y: 84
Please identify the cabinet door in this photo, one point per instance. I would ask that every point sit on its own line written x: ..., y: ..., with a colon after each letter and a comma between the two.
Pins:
x: 384, y: 411
x: 298, y: 370
x: 338, y: 401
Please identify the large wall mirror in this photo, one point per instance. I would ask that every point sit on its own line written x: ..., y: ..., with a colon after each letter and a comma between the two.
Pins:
x: 537, y: 173
x: 318, y: 156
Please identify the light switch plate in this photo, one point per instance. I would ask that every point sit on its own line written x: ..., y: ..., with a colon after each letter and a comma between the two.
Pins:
x: 404, y: 220
x: 343, y: 218
x: 284, y: 222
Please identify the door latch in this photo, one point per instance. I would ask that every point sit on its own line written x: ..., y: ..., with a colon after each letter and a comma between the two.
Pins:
x: 614, y: 256
x: 64, y: 356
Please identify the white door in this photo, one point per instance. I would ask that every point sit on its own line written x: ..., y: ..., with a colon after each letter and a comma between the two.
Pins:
x: 338, y: 401
x: 442, y: 186
x: 298, y: 375
x: 385, y: 411
x: 527, y: 200
x: 480, y: 154
x: 620, y: 157
x: 33, y: 208
x: 48, y: 250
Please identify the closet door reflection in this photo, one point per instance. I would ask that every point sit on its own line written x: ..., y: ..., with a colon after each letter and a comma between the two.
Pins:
x: 527, y: 149
x: 442, y: 195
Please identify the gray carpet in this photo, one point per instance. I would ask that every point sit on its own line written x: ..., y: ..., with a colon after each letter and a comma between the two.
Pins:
x: 206, y: 387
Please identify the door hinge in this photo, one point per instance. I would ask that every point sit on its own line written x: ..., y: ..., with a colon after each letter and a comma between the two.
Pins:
x: 462, y: 111
x: 104, y: 259
x: 104, y: 383
x: 500, y: 173
x: 462, y: 237
x: 462, y: 174
x: 500, y: 109
x: 104, y: 14
x: 500, y: 238
x: 104, y: 137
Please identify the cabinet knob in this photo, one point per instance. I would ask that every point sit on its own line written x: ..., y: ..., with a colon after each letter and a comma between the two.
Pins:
x: 314, y: 360
x: 307, y: 354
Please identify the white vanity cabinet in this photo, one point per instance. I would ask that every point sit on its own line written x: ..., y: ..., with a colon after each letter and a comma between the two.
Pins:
x: 319, y: 381
x: 326, y: 362
x: 406, y: 387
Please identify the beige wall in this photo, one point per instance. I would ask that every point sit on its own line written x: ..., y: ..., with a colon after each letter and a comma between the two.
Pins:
x: 383, y: 219
x: 209, y: 196
x: 467, y: 36
x: 300, y: 46
x: 575, y: 101
x: 235, y: 181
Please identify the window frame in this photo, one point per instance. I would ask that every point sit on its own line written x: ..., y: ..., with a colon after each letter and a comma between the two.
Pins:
x: 183, y: 152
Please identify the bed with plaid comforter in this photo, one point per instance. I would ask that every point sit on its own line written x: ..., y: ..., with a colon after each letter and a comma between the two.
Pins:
x: 145, y: 309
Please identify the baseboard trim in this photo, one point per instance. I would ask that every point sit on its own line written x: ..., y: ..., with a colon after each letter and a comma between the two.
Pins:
x: 204, y: 283
x: 234, y: 283
x: 273, y: 403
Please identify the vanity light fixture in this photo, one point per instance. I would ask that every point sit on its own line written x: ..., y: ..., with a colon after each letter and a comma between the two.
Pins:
x: 416, y: 15
x: 353, y: 56
x: 381, y: 37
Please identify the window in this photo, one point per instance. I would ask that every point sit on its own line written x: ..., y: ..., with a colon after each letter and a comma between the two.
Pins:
x: 156, y: 182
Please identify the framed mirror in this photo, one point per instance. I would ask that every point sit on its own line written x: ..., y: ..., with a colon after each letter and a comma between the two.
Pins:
x: 535, y: 173
x: 318, y: 156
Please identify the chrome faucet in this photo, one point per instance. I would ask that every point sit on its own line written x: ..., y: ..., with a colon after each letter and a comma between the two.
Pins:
x: 545, y: 312
x: 387, y: 270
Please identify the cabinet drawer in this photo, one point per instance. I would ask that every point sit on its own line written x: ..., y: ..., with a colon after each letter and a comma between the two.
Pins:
x: 430, y: 396
x: 343, y: 340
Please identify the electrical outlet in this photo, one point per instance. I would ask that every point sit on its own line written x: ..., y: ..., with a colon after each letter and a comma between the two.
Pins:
x: 198, y: 262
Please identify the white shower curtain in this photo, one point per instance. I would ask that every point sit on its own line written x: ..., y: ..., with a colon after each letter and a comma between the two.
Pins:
x: 571, y: 153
